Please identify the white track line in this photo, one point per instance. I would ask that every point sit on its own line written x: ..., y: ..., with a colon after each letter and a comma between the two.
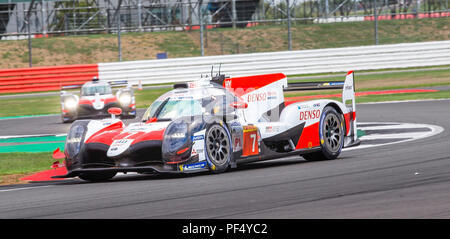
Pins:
x: 27, y: 188
x: 392, y: 136
x: 434, y: 130
x: 400, y: 126
x: 30, y: 136
x: 402, y: 101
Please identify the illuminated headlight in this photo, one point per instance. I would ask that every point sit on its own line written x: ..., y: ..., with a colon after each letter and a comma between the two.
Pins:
x: 70, y: 103
x: 178, y: 135
x: 125, y: 99
x: 175, y: 136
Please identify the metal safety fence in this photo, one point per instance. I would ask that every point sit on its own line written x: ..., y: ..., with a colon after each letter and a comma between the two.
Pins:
x: 288, y: 62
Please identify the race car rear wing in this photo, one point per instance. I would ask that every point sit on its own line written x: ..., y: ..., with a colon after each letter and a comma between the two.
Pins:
x: 347, y: 86
x: 317, y: 85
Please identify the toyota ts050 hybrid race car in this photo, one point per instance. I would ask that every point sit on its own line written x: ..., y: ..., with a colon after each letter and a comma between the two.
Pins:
x: 96, y: 97
x: 214, y: 124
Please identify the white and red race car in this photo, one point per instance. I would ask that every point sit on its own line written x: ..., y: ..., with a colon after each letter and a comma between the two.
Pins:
x: 214, y: 124
x: 96, y: 97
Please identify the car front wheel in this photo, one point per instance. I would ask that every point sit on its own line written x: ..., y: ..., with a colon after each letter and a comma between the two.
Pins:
x: 218, y: 148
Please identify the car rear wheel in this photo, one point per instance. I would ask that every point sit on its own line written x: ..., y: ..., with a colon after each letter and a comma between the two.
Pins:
x: 218, y: 148
x: 97, y: 177
x: 331, y: 136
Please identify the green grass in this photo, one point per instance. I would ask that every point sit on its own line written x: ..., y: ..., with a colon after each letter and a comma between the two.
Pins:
x: 68, y: 46
x: 410, y: 76
x: 404, y: 86
x: 6, y: 55
x: 23, y: 163
x: 421, y: 73
x: 180, y: 46
x: 390, y: 80
x: 51, y: 104
x: 407, y: 96
x: 30, y: 106
x: 145, y: 97
x: 326, y: 92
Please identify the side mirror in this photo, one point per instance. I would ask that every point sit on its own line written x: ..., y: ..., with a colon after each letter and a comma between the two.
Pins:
x: 151, y: 120
x: 239, y: 105
x: 114, y: 111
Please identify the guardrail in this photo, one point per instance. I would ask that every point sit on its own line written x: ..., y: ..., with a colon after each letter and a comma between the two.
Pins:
x: 289, y: 62
x: 191, y: 68
x: 45, y: 78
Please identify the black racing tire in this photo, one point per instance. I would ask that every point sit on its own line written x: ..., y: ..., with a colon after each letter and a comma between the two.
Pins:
x: 218, y: 147
x: 331, y: 131
x: 97, y: 176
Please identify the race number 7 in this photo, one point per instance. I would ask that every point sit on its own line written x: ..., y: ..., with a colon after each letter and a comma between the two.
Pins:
x: 250, y: 143
x: 253, y: 136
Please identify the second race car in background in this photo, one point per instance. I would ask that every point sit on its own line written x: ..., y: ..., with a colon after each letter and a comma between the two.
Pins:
x: 96, y: 97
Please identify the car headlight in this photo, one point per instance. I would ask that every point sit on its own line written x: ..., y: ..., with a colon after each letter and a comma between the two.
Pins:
x: 125, y: 99
x: 176, y: 136
x: 70, y: 104
x: 74, y: 138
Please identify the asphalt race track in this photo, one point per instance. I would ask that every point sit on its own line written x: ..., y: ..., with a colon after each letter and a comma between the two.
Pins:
x: 404, y: 180
x: 50, y: 124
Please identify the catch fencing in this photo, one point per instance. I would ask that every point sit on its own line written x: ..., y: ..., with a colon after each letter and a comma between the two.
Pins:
x: 192, y: 68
